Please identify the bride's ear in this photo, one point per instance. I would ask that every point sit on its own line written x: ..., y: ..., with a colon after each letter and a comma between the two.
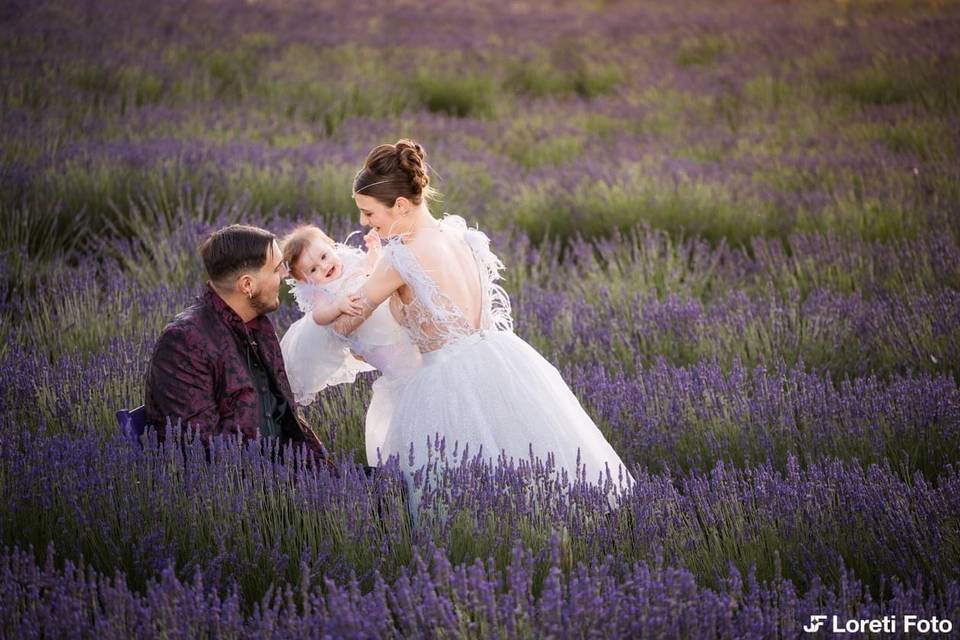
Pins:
x: 402, y: 205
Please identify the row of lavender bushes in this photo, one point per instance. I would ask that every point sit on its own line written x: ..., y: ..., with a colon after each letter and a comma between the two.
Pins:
x: 240, y: 526
x: 436, y: 598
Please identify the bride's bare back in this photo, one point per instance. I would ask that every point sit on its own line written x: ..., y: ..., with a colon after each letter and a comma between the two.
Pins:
x: 441, y: 285
x: 445, y: 258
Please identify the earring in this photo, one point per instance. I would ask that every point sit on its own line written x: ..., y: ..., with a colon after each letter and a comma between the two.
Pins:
x: 249, y: 295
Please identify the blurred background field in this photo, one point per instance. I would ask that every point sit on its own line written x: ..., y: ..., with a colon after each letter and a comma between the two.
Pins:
x: 734, y: 227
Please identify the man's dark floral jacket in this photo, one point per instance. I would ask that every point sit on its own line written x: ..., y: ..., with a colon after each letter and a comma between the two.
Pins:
x: 199, y: 375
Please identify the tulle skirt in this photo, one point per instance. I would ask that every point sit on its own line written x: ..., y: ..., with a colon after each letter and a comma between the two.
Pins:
x: 495, y: 394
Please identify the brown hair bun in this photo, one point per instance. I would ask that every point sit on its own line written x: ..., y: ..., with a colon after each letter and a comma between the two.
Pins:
x: 411, y: 159
x: 396, y: 170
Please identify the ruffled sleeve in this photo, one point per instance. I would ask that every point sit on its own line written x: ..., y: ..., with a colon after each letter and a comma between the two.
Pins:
x: 496, y: 303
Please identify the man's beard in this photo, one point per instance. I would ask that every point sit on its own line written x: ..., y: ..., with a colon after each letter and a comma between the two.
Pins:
x: 261, y: 304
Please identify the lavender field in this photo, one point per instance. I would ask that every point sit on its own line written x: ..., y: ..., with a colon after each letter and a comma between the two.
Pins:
x: 734, y: 227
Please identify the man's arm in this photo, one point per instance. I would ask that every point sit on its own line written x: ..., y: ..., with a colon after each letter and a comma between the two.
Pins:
x: 383, y: 282
x: 180, y: 383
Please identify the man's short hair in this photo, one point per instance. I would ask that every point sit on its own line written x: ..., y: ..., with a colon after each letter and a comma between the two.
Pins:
x: 231, y: 251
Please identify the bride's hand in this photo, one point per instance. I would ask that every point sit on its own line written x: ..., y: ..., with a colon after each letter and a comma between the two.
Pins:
x: 372, y: 241
x: 350, y: 305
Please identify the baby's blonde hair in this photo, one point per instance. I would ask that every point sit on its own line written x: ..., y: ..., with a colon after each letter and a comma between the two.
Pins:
x: 296, y: 242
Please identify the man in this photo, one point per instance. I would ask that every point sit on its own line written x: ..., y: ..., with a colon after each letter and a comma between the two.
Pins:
x: 217, y: 367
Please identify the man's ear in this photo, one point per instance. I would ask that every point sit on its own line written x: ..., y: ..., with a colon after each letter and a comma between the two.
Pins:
x: 244, y: 285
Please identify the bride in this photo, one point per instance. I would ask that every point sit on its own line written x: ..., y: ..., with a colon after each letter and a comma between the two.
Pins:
x: 479, y: 385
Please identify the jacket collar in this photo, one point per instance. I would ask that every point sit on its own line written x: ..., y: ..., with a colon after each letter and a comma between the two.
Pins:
x: 260, y: 324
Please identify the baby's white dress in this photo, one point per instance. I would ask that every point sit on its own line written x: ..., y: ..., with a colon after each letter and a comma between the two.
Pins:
x: 316, y: 357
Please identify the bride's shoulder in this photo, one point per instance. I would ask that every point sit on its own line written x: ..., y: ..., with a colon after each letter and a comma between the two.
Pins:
x: 453, y: 221
x: 396, y: 254
x: 394, y: 245
x: 458, y: 223
x: 427, y: 243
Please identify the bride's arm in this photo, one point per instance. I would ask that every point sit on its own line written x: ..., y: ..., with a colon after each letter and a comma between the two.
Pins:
x: 382, y: 283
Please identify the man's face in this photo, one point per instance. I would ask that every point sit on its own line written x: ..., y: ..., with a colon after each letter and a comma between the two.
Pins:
x: 266, y: 292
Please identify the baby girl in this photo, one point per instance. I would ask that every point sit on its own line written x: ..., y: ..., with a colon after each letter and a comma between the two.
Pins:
x: 326, y: 278
x: 315, y: 259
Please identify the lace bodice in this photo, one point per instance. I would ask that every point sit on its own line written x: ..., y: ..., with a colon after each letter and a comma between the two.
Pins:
x: 432, y: 319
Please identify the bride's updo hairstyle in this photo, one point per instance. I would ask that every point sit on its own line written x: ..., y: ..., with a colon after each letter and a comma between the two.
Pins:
x: 392, y: 171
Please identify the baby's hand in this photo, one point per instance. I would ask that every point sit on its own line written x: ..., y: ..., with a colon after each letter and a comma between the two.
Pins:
x: 350, y: 305
x: 372, y: 241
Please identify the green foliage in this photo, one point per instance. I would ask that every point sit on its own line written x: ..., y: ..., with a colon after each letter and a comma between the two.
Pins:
x: 461, y: 94
x: 604, y: 126
x: 669, y: 110
x: 927, y: 140
x: 536, y: 77
x: 140, y: 87
x: 465, y: 188
x: 299, y: 83
x: 877, y: 87
x: 531, y: 147
x: 286, y: 189
x: 597, y: 209
x: 94, y: 199
x: 92, y: 191
x: 97, y: 80
x: 563, y: 72
x: 769, y: 92
x: 855, y: 215
x: 934, y: 87
x: 160, y: 236
x: 234, y: 74
x: 702, y: 50
x: 41, y: 235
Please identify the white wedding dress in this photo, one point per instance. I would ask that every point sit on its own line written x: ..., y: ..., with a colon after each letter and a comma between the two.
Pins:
x: 483, y: 388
